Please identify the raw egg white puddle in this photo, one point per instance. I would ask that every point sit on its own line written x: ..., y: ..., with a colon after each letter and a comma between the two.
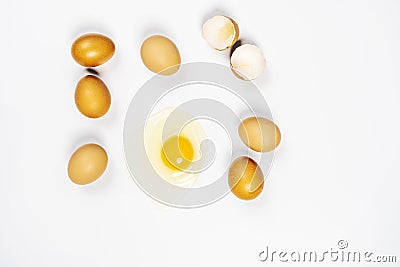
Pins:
x: 154, y: 145
x: 222, y: 139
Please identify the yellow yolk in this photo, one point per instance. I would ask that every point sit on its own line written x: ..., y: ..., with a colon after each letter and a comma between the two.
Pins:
x: 177, y: 153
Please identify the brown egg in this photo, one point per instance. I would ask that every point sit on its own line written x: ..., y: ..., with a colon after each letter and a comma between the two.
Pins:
x: 160, y: 55
x: 260, y: 134
x: 87, y: 164
x: 92, y: 97
x: 92, y: 49
x: 245, y: 178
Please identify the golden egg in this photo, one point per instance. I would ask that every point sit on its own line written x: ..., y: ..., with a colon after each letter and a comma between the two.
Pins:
x: 92, y: 97
x: 160, y: 55
x: 87, y: 164
x: 92, y: 49
x: 260, y: 134
x: 245, y: 178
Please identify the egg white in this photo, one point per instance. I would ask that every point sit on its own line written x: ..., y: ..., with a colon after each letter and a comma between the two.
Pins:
x: 153, y: 142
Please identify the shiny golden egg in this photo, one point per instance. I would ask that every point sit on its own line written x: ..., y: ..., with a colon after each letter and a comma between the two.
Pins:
x: 92, y: 49
x: 245, y: 178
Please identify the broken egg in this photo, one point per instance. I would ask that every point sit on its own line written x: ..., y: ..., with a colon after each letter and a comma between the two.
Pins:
x: 173, y: 158
x: 220, y: 32
x: 92, y: 49
x: 248, y: 61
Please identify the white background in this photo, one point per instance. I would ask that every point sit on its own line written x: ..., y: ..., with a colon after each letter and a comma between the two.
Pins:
x: 333, y: 85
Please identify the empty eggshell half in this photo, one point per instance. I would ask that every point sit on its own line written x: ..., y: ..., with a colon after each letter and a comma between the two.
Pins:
x: 260, y: 134
x: 248, y: 62
x: 220, y: 32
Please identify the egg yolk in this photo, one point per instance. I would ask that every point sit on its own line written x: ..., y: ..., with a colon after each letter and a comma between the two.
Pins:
x: 177, y: 153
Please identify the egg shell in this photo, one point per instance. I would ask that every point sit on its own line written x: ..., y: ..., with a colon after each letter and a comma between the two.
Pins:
x: 92, y: 49
x: 213, y: 31
x: 247, y: 62
x: 245, y: 178
x: 260, y: 134
x: 92, y: 97
x: 160, y: 55
x: 87, y: 164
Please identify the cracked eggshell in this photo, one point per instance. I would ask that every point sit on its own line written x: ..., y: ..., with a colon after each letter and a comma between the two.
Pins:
x: 220, y: 32
x: 248, y: 62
